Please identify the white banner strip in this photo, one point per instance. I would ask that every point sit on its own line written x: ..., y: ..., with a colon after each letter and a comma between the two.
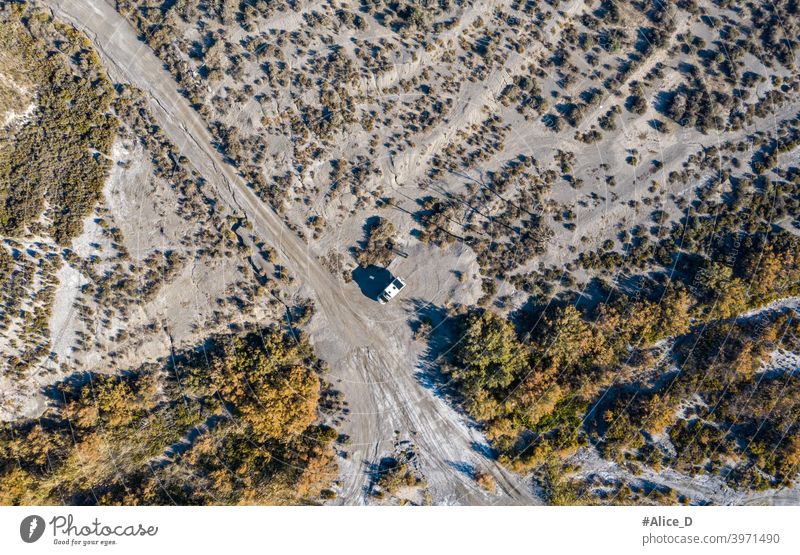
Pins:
x: 399, y: 530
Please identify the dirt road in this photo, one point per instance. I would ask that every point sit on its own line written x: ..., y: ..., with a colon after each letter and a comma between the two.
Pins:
x: 365, y: 344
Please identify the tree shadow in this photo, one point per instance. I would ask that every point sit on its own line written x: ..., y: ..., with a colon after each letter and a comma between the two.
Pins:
x: 465, y: 468
x: 663, y: 101
x: 187, y: 441
x: 484, y: 450
x: 442, y: 338
x: 370, y: 224
x: 440, y: 334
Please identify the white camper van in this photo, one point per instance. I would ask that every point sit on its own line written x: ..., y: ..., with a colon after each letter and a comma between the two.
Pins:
x: 391, y: 290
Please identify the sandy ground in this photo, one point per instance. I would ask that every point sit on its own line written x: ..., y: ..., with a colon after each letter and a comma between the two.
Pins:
x: 360, y: 340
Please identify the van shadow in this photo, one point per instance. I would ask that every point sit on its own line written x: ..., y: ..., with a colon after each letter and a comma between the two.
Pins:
x: 372, y: 280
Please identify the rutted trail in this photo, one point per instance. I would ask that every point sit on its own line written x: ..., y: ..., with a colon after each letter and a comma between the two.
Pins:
x: 362, y: 342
